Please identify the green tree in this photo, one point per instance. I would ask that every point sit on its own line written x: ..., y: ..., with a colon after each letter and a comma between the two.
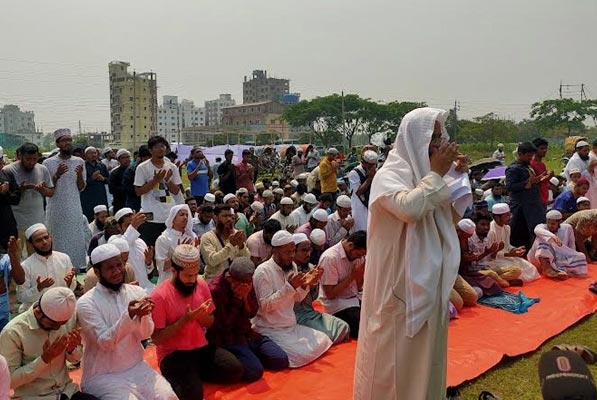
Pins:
x: 564, y: 113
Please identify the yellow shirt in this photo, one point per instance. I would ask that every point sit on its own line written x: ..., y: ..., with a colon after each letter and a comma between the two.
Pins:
x: 216, y: 256
x: 328, y: 176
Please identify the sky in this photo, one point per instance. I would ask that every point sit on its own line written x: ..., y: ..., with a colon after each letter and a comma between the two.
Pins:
x: 491, y: 56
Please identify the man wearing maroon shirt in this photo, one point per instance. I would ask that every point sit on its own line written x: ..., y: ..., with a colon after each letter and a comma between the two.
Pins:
x: 539, y: 167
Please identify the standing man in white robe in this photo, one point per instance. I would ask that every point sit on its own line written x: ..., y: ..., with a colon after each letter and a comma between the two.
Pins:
x: 278, y: 286
x: 580, y: 159
x: 360, y: 179
x: 412, y: 264
x: 115, y: 318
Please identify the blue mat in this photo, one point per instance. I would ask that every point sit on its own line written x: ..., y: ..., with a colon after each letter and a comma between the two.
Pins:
x: 515, y: 303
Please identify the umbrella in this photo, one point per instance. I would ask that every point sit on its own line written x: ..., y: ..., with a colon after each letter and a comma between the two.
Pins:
x: 484, y: 163
x: 495, y: 173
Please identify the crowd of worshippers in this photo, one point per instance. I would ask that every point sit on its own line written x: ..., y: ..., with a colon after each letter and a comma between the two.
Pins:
x: 226, y: 280
x: 528, y: 224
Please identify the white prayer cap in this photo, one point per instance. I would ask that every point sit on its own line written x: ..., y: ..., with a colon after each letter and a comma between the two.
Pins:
x: 320, y: 215
x: 100, y: 208
x: 294, y: 183
x: 120, y: 243
x: 304, y: 175
x: 581, y: 199
x: 90, y: 148
x: 58, y: 304
x: 500, y: 208
x: 104, y: 252
x: 332, y: 150
x: 282, y: 238
x: 574, y: 171
x: 122, y: 152
x: 299, y: 238
x: 106, y: 150
x: 209, y: 198
x: 286, y: 201
x: 554, y: 181
x: 122, y: 212
x: 370, y: 157
x: 242, y: 191
x: 466, y: 225
x: 278, y: 191
x: 1, y: 152
x: 554, y: 214
x: 229, y: 196
x: 275, y: 183
x: 582, y: 143
x: 59, y: 133
x: 267, y: 193
x: 500, y: 145
x: 317, y: 236
x: 257, y: 207
x: 32, y: 229
x: 479, y: 192
x: 343, y: 201
x: 310, y: 198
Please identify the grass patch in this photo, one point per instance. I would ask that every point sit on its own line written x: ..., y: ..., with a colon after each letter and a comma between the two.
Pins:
x: 518, y: 377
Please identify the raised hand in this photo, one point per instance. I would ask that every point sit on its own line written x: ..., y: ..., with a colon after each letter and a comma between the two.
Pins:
x: 168, y: 175
x: 79, y: 170
x: 138, y: 219
x: 140, y: 308
x: 54, y: 349
x: 442, y: 158
x: 14, y: 248
x: 200, y: 313
x: 25, y: 185
x: 158, y: 176
x: 314, y: 275
x: 74, y: 340
x: 148, y: 254
x: 68, y: 279
x: 62, y: 169
x: 4, y: 187
x: 44, y: 283
x: 358, y: 270
x: 297, y: 279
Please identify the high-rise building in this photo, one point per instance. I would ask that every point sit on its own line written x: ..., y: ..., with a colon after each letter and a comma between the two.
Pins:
x: 173, y: 117
x: 261, y: 88
x: 133, y: 105
x: 19, y: 123
x: 213, y: 109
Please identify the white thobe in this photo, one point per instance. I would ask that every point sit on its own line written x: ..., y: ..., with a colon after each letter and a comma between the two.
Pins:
x: 301, y: 216
x: 577, y: 162
x: 93, y: 228
x: 285, y: 221
x: 501, y: 234
x: 277, y: 320
x: 137, y: 248
x: 55, y: 266
x: 359, y: 211
x: 113, y: 365
x: 334, y: 230
x: 561, y: 258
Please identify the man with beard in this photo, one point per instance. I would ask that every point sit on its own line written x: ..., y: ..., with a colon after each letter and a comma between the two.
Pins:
x: 109, y: 160
x: 227, y: 173
x: 222, y: 245
x: 360, y: 179
x: 100, y: 214
x: 580, y: 160
x: 110, y: 228
x: 242, y: 223
x: 278, y: 286
x: 63, y: 213
x: 115, y: 182
x: 205, y: 220
x: 91, y: 279
x: 284, y: 215
x: 260, y: 243
x: 318, y: 220
x: 340, y: 223
x: 115, y: 317
x: 303, y: 213
x: 336, y: 329
x: 525, y: 198
x: 183, y: 311
x: 35, y: 183
x: 96, y: 180
x: 37, y: 344
x: 44, y: 269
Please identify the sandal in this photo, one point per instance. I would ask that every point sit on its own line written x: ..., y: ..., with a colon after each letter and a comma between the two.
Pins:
x: 487, y: 396
x: 593, y: 287
x: 588, y: 355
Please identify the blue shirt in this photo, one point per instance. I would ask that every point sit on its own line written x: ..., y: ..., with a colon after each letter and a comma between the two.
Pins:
x: 4, y: 279
x: 200, y: 183
x: 566, y: 202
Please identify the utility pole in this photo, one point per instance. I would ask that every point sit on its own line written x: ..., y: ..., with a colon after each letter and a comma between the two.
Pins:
x: 134, y: 110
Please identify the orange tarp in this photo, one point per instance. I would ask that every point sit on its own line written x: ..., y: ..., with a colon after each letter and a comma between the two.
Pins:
x: 477, y: 341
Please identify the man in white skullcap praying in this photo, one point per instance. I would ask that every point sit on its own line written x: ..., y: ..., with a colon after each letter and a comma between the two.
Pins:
x: 100, y: 213
x: 115, y: 317
x: 360, y: 179
x: 44, y: 269
x: 129, y: 272
x: 279, y: 286
x: 303, y: 213
x: 284, y: 215
x: 318, y: 220
x: 340, y: 222
x: 37, y: 344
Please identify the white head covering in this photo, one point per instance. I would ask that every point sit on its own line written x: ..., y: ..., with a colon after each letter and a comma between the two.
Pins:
x: 554, y: 181
x: 278, y: 191
x: 500, y: 208
x: 581, y: 199
x: 294, y: 183
x: 209, y: 198
x: 58, y: 133
x: 104, y: 252
x: 32, y: 229
x: 286, y: 201
x: 58, y: 304
x: 242, y: 191
x: 370, y: 157
x: 554, y: 214
x: 310, y: 198
x: 122, y: 152
x: 343, y: 201
x: 188, y: 231
x: 282, y: 238
x: 317, y: 236
x: 438, y: 249
x: 302, y: 176
x: 582, y: 143
x: 275, y: 184
x: 122, y: 212
x: 268, y: 193
x: 90, y: 148
x: 257, y: 207
x: 120, y: 243
x: 574, y: 171
x: 299, y: 238
x: 100, y: 208
x: 229, y: 196
x: 467, y: 225
x: 320, y: 215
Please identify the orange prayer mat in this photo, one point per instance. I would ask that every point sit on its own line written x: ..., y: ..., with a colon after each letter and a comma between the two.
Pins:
x: 478, y: 340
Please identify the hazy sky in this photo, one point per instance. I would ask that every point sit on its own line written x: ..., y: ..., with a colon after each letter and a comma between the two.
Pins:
x: 496, y: 56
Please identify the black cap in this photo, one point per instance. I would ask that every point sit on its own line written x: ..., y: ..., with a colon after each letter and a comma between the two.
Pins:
x: 564, y: 375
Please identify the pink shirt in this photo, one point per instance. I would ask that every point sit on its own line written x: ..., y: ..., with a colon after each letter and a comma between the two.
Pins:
x: 170, y: 306
x: 245, y: 182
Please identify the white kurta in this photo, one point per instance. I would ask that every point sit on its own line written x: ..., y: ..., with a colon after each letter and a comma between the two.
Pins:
x: 301, y: 216
x: 277, y: 320
x: 501, y: 234
x: 55, y: 266
x: 113, y: 365
x: 285, y: 221
x: 561, y: 258
x: 576, y: 162
x: 137, y: 248
x: 359, y: 211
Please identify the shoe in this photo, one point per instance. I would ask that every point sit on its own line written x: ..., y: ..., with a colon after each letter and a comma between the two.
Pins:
x: 487, y: 396
x: 452, y: 393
